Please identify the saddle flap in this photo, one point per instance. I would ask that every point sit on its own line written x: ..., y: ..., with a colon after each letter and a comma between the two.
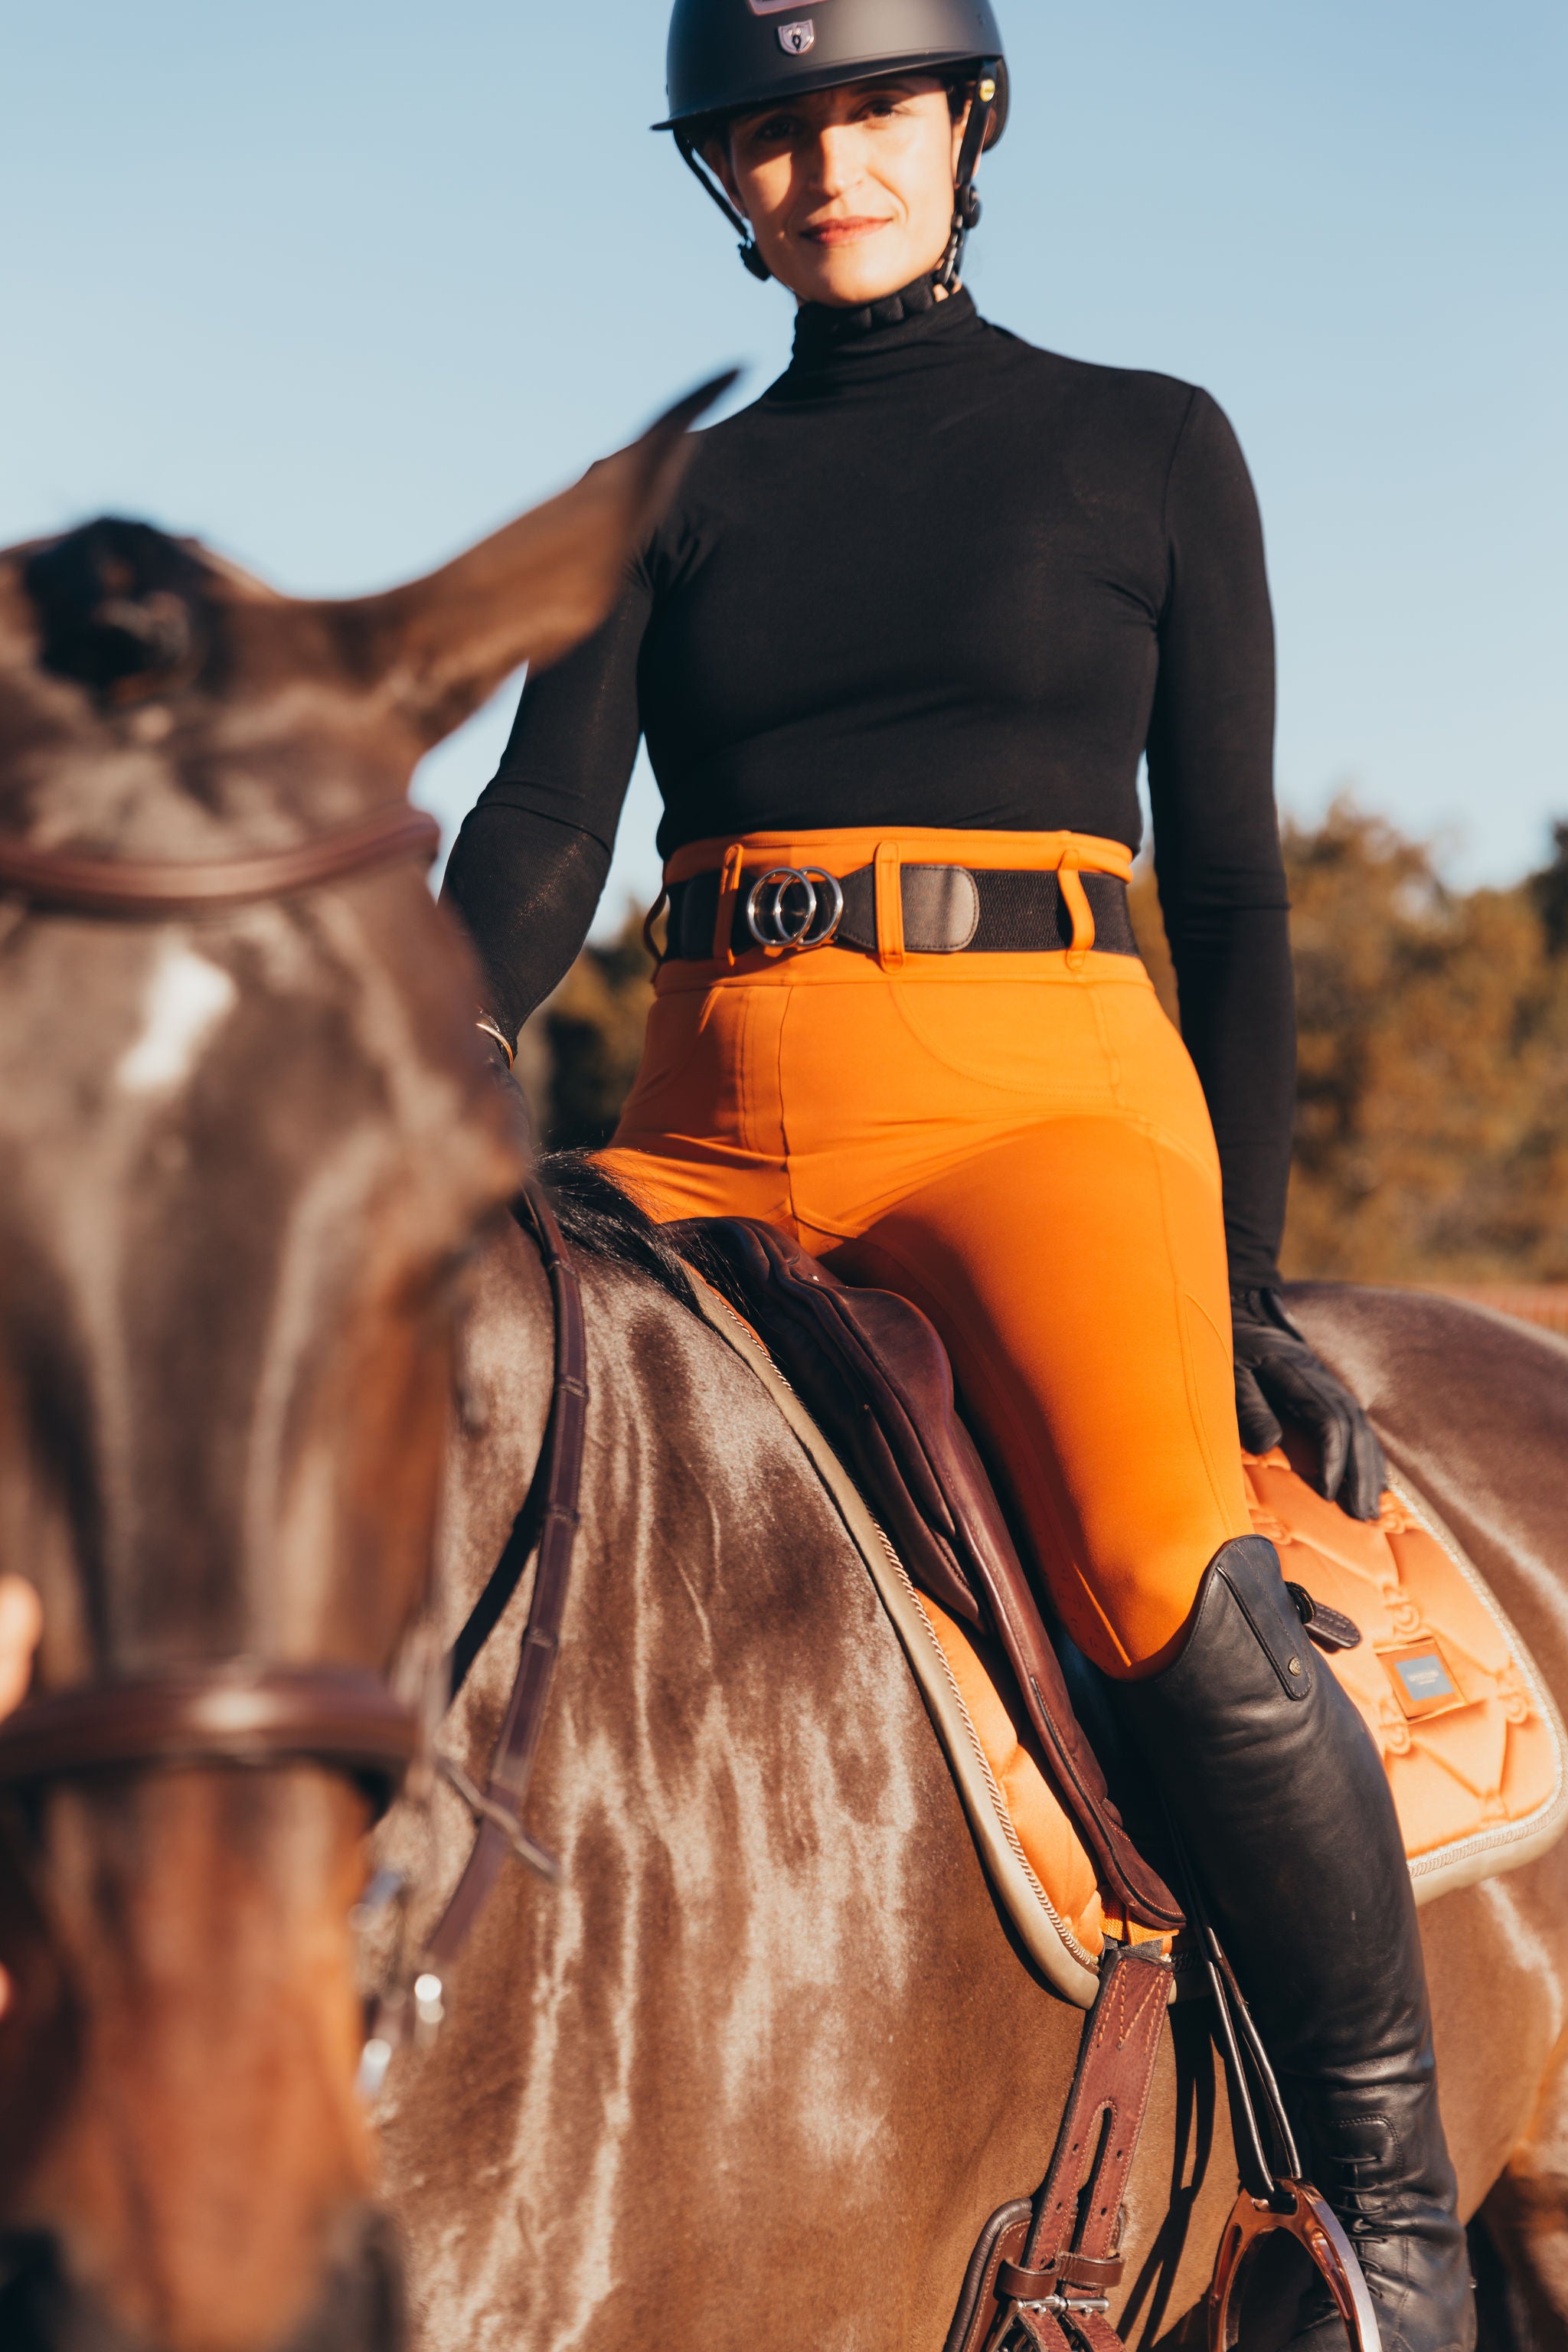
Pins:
x: 868, y: 1366
x: 875, y: 1374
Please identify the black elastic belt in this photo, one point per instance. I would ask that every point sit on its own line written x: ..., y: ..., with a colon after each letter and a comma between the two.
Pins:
x: 948, y: 910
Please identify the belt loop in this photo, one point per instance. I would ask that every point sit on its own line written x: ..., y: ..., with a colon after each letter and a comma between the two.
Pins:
x: 658, y: 954
x: 889, y: 878
x: 1077, y: 903
x: 724, y: 915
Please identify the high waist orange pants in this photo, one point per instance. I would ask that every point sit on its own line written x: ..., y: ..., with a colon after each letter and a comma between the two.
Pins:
x: 1020, y: 1144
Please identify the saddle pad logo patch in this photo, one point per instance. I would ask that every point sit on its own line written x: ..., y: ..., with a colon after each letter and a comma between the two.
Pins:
x: 798, y: 38
x: 1423, y: 1682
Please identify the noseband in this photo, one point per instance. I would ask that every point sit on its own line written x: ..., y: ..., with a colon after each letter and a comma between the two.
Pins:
x: 241, y: 1711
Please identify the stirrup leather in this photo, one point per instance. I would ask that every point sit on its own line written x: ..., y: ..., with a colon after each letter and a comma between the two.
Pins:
x: 1041, y: 2276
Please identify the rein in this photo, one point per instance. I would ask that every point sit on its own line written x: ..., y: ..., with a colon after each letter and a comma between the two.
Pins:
x: 547, y: 1524
x: 253, y: 1712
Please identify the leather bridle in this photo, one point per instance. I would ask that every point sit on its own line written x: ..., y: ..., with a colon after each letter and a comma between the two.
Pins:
x: 251, y: 1712
x: 58, y: 882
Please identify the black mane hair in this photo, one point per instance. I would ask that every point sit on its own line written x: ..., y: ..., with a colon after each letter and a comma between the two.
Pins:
x: 602, y: 1221
x: 598, y: 1218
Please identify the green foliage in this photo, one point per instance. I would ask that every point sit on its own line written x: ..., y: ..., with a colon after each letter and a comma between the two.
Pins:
x: 1432, y: 1119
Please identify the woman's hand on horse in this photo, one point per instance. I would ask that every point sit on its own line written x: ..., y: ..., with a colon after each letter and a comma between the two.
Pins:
x: 1277, y: 1372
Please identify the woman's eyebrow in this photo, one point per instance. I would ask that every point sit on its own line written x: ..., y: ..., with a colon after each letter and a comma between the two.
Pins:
x: 891, y: 86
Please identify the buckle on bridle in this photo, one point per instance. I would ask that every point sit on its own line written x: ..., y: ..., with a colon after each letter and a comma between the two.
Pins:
x: 783, y: 904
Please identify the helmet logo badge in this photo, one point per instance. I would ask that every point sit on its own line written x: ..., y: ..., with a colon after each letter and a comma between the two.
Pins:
x: 797, y: 39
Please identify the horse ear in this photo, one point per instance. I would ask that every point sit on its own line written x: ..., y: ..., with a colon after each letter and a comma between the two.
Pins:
x: 528, y: 594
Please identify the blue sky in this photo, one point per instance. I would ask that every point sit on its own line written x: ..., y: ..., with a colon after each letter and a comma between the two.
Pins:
x: 338, y: 286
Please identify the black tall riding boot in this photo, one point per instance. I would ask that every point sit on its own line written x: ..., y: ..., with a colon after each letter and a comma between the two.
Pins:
x: 1284, y: 1807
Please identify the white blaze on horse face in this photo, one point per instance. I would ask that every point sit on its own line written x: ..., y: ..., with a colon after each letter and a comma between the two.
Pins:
x: 187, y: 998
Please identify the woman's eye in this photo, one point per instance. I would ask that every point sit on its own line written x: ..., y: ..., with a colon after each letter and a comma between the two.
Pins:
x: 775, y: 127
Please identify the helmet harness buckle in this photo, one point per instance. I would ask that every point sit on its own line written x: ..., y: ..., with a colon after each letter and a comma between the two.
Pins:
x: 966, y: 201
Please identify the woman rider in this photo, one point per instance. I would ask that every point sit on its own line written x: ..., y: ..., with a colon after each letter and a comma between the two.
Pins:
x: 914, y: 618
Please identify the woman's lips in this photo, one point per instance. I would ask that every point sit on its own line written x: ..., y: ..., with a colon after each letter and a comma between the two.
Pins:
x: 844, y: 232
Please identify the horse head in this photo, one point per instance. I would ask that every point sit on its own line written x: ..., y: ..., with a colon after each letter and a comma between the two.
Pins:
x: 246, y: 1138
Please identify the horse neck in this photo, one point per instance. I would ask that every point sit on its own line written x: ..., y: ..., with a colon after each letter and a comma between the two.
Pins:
x: 767, y: 1892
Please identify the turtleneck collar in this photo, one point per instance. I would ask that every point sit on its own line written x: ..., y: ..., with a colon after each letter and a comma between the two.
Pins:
x: 909, y: 325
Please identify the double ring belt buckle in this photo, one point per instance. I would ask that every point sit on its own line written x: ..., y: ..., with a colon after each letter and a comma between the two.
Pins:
x: 784, y: 905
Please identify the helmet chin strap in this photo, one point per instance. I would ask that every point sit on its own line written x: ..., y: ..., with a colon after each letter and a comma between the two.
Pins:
x: 748, y: 255
x: 966, y: 203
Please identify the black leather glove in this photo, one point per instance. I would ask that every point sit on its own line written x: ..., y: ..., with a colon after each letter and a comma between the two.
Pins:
x: 1277, y: 1372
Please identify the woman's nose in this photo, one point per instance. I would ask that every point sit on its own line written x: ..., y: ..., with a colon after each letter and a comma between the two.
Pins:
x: 836, y: 161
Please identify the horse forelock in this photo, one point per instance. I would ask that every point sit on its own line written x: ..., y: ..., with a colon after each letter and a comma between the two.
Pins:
x: 158, y: 702
x: 117, y: 601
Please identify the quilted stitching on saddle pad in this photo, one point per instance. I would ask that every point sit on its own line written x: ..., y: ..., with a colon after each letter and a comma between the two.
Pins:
x: 1052, y: 1844
x: 1473, y: 1746
x: 1472, y: 1742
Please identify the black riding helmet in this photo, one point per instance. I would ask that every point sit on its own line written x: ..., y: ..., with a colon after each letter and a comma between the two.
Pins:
x: 731, y: 57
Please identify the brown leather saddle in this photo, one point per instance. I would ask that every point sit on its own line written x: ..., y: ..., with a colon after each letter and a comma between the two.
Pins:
x: 875, y: 1376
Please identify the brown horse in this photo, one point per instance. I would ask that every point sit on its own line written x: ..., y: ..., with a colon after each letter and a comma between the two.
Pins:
x: 756, y: 2072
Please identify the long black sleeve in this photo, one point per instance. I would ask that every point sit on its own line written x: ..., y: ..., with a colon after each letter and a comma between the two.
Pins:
x: 527, y: 888
x: 1216, y: 837
x: 528, y: 869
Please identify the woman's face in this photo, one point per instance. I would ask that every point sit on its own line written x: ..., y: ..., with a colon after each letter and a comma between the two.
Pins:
x: 849, y: 192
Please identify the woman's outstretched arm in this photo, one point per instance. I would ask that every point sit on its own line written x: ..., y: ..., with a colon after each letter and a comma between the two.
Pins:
x: 528, y: 868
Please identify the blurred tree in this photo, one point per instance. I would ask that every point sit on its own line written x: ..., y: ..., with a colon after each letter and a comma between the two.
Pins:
x: 578, y: 1056
x: 1432, y: 1120
x: 1432, y: 1101
x: 1550, y: 889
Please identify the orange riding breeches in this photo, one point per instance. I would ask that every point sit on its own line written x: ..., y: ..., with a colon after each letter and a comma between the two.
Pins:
x: 1019, y: 1143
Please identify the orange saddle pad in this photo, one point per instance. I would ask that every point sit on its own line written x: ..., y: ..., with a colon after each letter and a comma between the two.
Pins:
x: 1472, y: 1744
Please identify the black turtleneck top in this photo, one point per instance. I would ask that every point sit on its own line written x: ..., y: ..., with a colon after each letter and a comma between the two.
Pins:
x: 937, y: 577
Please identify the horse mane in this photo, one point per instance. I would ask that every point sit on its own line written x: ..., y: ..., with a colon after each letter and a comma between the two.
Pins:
x: 117, y: 601
x: 606, y: 1223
